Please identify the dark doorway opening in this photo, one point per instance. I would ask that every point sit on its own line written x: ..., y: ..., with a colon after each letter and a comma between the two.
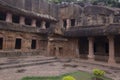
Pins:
x: 54, y: 51
x: 72, y: 22
x: 101, y: 46
x: 1, y: 43
x: 47, y: 24
x: 28, y: 21
x: 15, y: 18
x: 33, y: 45
x: 106, y: 47
x: 61, y: 51
x: 18, y: 43
x: 83, y: 47
x: 95, y: 45
x: 2, y: 16
x: 38, y: 23
x: 64, y: 23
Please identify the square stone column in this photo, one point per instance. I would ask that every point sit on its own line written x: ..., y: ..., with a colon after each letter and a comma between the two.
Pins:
x: 111, y: 59
x: 111, y: 18
x: 8, y: 17
x: 77, y: 49
x: 43, y: 25
x: 57, y: 52
x: 68, y: 24
x: 91, y: 48
x: 33, y: 23
x: 22, y: 20
x: 61, y: 23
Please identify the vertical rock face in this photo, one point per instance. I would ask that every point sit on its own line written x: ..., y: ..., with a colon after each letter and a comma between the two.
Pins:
x: 16, y: 3
x: 86, y: 16
x: 28, y: 5
x: 38, y: 6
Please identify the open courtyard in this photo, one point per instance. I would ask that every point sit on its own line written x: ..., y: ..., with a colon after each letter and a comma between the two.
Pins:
x: 39, y: 66
x: 52, y: 39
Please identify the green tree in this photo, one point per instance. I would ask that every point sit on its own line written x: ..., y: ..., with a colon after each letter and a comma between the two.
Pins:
x: 55, y: 1
x: 59, y: 1
x: 112, y: 3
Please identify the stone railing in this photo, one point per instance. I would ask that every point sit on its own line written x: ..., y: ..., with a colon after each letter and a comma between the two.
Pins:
x: 21, y: 28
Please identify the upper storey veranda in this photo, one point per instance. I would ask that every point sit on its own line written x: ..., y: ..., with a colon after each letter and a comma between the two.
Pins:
x: 90, y: 20
x: 92, y: 15
x: 32, y: 8
x: 27, y: 14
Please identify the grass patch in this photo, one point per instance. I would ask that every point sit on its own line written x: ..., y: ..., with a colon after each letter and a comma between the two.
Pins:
x: 77, y: 75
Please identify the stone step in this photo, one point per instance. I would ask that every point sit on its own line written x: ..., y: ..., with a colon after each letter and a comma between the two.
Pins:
x: 18, y: 61
x: 26, y: 64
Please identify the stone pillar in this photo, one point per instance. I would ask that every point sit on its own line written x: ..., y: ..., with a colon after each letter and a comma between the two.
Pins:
x: 33, y: 23
x: 57, y: 52
x: 43, y: 25
x: 91, y: 48
x: 111, y: 59
x: 36, y: 43
x: 111, y: 18
x: 61, y: 23
x: 48, y: 49
x: 77, y: 49
x: 68, y: 23
x: 22, y: 20
x: 8, y: 17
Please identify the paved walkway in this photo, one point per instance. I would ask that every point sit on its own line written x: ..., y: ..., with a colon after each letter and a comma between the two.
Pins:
x: 112, y: 71
x: 17, y: 68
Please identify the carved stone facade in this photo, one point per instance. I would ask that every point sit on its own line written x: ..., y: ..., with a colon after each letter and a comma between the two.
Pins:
x: 12, y: 41
x: 64, y: 31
